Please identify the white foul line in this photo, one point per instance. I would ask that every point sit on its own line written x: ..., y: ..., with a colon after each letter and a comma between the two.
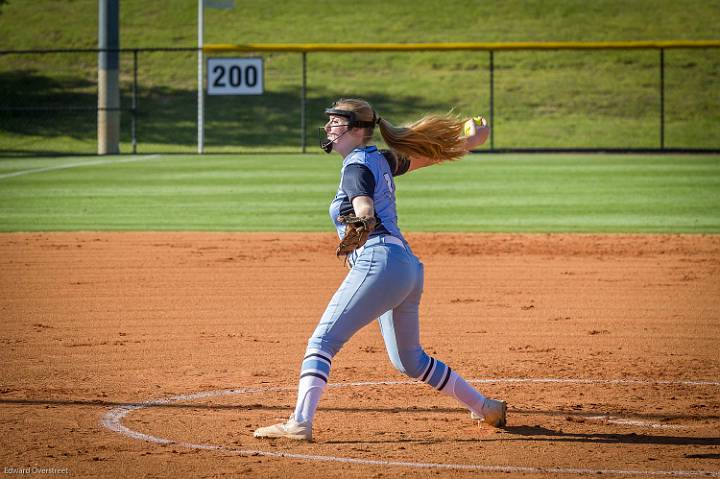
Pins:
x: 77, y: 165
x: 633, y: 422
x: 555, y: 381
x: 112, y: 420
x: 600, y: 381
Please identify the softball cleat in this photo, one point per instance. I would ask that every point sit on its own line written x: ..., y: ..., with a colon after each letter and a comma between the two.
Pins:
x: 493, y: 412
x: 298, y: 431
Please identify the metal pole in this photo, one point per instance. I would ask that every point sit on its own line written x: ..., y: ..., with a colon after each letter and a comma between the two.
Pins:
x: 133, y: 131
x: 201, y: 95
x: 662, y: 98
x: 303, y: 100
x: 108, y: 112
x: 492, y: 100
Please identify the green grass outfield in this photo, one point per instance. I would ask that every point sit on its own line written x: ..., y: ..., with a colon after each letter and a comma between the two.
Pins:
x: 482, y: 193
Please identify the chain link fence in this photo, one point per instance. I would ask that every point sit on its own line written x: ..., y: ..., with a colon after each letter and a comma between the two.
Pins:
x: 580, y: 100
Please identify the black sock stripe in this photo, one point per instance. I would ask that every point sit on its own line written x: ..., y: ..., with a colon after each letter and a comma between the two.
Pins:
x: 314, y: 374
x: 447, y: 377
x: 432, y: 362
x: 318, y: 355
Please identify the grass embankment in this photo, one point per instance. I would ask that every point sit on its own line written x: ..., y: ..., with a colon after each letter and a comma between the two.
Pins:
x: 542, y: 99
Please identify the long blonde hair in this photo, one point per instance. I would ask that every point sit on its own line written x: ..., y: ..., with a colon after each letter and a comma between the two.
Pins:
x: 437, y: 137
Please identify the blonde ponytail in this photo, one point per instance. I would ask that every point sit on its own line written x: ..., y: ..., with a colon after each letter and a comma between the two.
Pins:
x: 435, y: 137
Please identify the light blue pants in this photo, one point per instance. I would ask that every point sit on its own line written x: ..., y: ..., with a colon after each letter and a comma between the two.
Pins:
x: 385, y: 283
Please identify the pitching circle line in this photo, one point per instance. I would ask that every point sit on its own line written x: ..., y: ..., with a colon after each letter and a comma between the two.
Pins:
x: 113, y: 419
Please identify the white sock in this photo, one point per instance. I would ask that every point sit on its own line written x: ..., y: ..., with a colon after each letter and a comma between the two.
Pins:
x: 310, y: 390
x: 314, y: 374
x: 459, y: 389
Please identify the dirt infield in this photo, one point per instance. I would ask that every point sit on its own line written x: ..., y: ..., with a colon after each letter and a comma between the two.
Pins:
x: 605, y: 347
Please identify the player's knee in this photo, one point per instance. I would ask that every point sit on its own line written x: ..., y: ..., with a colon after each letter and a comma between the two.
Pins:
x: 411, y: 363
x: 326, y: 344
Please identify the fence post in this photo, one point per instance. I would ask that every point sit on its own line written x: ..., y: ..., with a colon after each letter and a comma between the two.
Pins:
x: 133, y: 124
x: 200, y: 89
x: 303, y: 100
x: 492, y: 101
x: 108, y: 116
x: 662, y: 98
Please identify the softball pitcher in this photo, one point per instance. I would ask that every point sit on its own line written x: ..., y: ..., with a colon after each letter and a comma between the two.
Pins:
x: 386, y: 279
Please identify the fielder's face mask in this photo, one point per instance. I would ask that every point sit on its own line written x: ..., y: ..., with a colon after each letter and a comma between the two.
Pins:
x: 352, y: 122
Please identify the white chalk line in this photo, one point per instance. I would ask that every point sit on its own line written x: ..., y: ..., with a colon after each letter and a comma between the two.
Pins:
x: 77, y: 165
x: 633, y: 422
x: 661, y: 382
x: 112, y: 420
